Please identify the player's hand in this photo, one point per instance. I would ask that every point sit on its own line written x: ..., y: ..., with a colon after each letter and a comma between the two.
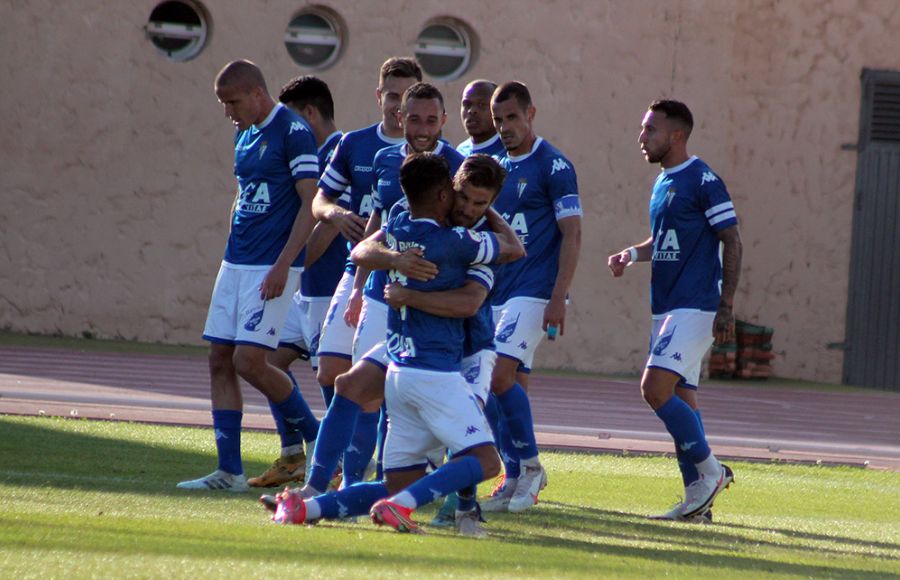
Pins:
x: 555, y: 315
x: 618, y: 262
x: 351, y: 225
x: 354, y: 307
x: 274, y: 282
x: 396, y: 295
x: 723, y: 325
x: 412, y: 265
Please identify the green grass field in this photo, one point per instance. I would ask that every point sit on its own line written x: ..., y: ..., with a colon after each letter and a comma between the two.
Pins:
x: 84, y: 498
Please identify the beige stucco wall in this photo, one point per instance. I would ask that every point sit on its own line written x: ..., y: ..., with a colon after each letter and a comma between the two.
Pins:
x: 116, y: 163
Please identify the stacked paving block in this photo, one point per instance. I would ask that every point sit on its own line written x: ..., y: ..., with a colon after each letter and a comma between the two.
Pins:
x: 749, y: 358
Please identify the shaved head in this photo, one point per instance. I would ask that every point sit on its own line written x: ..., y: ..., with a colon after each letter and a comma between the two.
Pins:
x: 481, y: 87
x: 241, y: 74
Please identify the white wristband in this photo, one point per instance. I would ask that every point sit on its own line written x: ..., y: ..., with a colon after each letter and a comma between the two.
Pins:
x: 632, y: 251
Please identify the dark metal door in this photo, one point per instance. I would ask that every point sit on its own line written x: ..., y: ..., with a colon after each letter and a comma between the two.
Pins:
x: 872, y: 357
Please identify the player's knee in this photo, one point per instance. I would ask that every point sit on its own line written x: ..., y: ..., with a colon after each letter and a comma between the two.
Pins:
x: 249, y: 366
x: 329, y: 370
x: 490, y: 464
x: 654, y: 396
x: 220, y: 362
x: 351, y: 387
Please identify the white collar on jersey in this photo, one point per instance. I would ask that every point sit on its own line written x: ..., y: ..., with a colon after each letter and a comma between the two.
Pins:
x: 523, y: 157
x: 385, y: 138
x: 426, y: 220
x: 680, y: 166
x: 476, y: 147
x: 328, y: 139
x: 269, y: 118
x: 437, y: 148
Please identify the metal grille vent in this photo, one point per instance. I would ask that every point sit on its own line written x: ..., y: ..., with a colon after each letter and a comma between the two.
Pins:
x: 885, y: 122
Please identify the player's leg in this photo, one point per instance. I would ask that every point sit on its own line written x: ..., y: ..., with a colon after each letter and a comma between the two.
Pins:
x: 518, y: 335
x: 680, y: 341
x: 336, y: 339
x: 225, y: 393
x: 360, y: 388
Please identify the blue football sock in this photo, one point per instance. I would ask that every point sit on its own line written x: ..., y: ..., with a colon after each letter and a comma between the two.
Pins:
x: 227, y: 425
x: 362, y: 446
x: 297, y: 416
x: 336, y: 430
x: 327, y: 394
x: 517, y: 411
x: 467, y: 498
x: 683, y: 425
x: 379, y: 445
x: 508, y: 453
x: 355, y: 500
x: 455, y: 475
x: 689, y: 473
x: 288, y: 438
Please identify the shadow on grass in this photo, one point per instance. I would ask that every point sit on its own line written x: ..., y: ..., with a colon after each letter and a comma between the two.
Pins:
x: 38, y: 453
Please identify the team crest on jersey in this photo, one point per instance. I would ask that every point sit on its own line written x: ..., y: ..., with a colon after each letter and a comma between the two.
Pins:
x: 463, y: 232
x: 520, y: 187
x: 558, y: 165
x: 670, y: 195
x: 262, y: 148
x: 708, y: 177
x: 663, y: 343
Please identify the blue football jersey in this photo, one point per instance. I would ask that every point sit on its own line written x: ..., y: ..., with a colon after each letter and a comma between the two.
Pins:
x: 479, y: 328
x: 416, y: 338
x: 540, y: 188
x: 322, y: 277
x: 268, y: 161
x: 388, y: 192
x: 493, y: 147
x: 689, y: 205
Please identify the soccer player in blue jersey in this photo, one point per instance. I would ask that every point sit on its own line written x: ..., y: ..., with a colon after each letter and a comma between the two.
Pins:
x: 540, y: 201
x: 692, y: 289
x: 326, y: 254
x: 475, y: 112
x: 361, y: 389
x: 276, y: 168
x: 349, y: 178
x: 427, y: 349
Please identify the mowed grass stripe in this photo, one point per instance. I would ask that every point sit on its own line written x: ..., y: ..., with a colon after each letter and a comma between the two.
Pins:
x: 84, y: 498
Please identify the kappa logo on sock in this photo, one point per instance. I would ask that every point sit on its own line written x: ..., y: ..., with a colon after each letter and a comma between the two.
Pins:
x: 519, y: 444
x: 343, y: 512
x: 686, y: 446
x: 437, y: 495
x: 220, y: 435
x: 352, y: 449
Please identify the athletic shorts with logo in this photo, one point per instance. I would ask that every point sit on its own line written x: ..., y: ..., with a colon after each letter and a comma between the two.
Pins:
x: 303, y: 326
x: 371, y: 332
x: 678, y: 342
x: 519, y: 329
x: 430, y: 409
x: 238, y: 315
x: 477, y: 370
x: 336, y: 338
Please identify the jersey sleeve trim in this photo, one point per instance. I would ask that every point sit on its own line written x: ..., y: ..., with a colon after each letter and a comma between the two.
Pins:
x: 305, y: 166
x: 481, y: 274
x: 723, y: 214
x: 567, y: 206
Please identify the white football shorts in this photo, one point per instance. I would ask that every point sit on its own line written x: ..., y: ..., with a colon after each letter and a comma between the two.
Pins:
x: 519, y: 331
x: 336, y: 338
x: 477, y: 370
x: 678, y: 342
x: 303, y: 326
x: 371, y: 331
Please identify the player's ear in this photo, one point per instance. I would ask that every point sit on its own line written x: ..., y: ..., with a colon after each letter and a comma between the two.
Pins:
x: 530, y: 112
x: 378, y: 95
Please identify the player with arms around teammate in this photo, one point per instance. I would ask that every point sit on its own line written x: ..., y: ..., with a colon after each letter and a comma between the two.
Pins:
x: 540, y: 201
x: 276, y: 168
x: 349, y: 180
x: 475, y: 112
x: 692, y: 294
x: 326, y: 253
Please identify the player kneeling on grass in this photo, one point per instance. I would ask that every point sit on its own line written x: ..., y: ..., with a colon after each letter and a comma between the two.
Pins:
x: 428, y: 400
x: 692, y: 292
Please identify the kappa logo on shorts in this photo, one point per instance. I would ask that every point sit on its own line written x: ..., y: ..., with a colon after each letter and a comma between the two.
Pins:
x: 523, y: 345
x: 272, y: 331
x: 677, y: 356
x: 663, y: 343
x: 471, y: 430
x: 507, y: 331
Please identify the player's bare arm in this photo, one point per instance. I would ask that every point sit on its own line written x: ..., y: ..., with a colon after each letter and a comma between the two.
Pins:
x: 569, y: 250
x: 461, y: 302
x: 327, y: 210
x: 275, y: 281
x: 372, y: 254
x: 319, y: 240
x: 511, y: 248
x: 732, y: 252
x: 643, y: 252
